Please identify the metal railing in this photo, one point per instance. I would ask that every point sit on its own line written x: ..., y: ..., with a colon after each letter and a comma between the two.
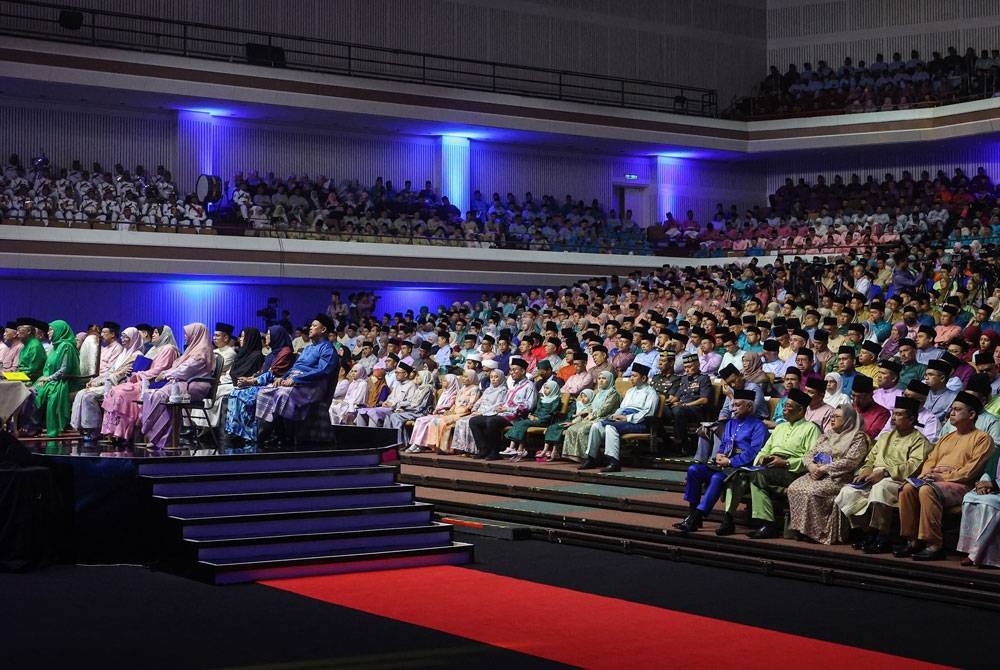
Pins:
x: 100, y: 28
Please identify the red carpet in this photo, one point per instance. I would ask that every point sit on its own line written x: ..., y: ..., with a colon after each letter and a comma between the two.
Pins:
x: 573, y: 627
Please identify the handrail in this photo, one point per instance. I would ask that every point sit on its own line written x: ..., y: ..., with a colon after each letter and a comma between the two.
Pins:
x: 40, y: 20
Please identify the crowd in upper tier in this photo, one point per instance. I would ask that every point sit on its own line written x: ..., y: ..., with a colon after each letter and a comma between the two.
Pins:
x: 879, y: 86
x: 868, y: 409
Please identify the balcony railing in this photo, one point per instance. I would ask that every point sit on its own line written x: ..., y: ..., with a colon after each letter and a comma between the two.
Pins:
x: 134, y: 32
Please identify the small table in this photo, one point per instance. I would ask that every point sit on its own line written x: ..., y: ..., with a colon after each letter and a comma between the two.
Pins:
x: 12, y: 396
x: 177, y: 412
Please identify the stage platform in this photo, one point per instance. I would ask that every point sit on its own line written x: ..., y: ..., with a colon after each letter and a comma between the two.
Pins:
x: 244, y: 516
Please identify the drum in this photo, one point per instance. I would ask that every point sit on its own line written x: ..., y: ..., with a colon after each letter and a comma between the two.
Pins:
x: 208, y: 189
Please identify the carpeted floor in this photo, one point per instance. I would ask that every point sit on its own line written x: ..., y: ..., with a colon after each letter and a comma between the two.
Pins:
x: 126, y: 616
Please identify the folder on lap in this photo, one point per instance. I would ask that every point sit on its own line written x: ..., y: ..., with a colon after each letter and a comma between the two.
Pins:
x: 16, y: 377
x: 141, y: 364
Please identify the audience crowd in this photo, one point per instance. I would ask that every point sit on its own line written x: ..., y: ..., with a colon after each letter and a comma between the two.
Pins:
x: 868, y: 411
x: 879, y: 86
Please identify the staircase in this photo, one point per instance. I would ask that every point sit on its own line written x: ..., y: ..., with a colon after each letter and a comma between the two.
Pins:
x: 634, y: 511
x: 231, y: 519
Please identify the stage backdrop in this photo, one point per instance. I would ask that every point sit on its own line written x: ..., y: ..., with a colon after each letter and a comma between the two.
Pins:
x: 180, y: 301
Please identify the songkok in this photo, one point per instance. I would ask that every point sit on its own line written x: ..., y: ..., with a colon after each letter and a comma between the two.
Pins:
x: 801, y: 333
x: 744, y: 394
x: 394, y: 357
x: 940, y: 366
x: 970, y: 401
x: 117, y: 327
x: 598, y: 347
x: 862, y: 384
x: 950, y: 309
x: 980, y: 357
x: 821, y: 336
x: 816, y: 384
x: 907, y: 342
x: 805, y: 351
x: 11, y: 325
x: 405, y: 367
x: 951, y: 360
x: 680, y: 337
x: 856, y: 328
x: 911, y: 405
x: 640, y: 369
x: 829, y: 321
x: 918, y: 387
x: 323, y: 319
x: 872, y: 347
x: 771, y: 345
x: 927, y: 330
x: 799, y: 397
x: 846, y: 349
x: 543, y: 365
x: 892, y: 366
x: 648, y: 337
x: 729, y: 336
x: 519, y: 362
x: 728, y: 371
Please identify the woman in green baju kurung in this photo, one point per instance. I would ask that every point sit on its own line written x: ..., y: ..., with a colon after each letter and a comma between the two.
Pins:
x: 578, y: 410
x: 545, y: 413
x: 60, y: 377
x: 604, y: 404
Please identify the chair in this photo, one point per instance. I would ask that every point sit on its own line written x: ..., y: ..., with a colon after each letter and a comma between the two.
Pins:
x: 564, y: 401
x: 630, y: 439
x: 209, y: 400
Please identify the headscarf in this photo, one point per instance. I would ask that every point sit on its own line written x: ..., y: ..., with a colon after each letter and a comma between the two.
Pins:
x: 280, y: 339
x: 450, y: 392
x: 602, y: 395
x: 357, y: 389
x: 753, y: 369
x: 584, y: 401
x: 248, y: 356
x: 550, y: 393
x: 837, y: 443
x: 494, y: 395
x: 63, y: 348
x: 426, y: 379
x: 198, y: 353
x: 166, y: 340
x: 128, y: 353
x: 836, y: 398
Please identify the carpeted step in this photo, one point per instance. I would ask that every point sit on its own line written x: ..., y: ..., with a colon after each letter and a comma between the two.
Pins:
x: 308, y: 521
x: 273, y: 480
x: 287, y: 501
x: 234, y: 550
x: 261, y: 462
x: 455, y: 553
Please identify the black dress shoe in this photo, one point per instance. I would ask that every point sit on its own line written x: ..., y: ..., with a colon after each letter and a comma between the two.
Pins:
x: 612, y: 466
x: 492, y: 456
x: 878, y: 547
x: 691, y: 523
x: 930, y: 554
x: 907, y: 550
x: 588, y: 464
x: 727, y: 527
x: 765, y: 532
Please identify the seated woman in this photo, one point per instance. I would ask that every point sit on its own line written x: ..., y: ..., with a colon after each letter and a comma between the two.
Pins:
x: 433, y: 431
x: 343, y: 409
x: 489, y: 402
x: 247, y: 362
x: 121, y: 412
x: 289, y: 397
x: 546, y: 412
x: 606, y: 400
x: 554, y: 433
x: 59, y: 378
x: 979, y: 536
x: 241, y: 420
x: 830, y: 464
x: 421, y: 403
x: 445, y: 401
x: 86, y: 414
x: 198, y: 360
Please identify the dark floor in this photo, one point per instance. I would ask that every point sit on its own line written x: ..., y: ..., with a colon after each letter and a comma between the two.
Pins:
x: 118, y: 616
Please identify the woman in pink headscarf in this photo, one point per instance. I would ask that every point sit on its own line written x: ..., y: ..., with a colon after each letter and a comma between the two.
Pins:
x: 198, y: 361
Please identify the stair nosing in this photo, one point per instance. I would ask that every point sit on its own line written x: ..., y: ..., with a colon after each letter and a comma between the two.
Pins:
x: 455, y: 547
x: 274, y: 516
x: 265, y: 495
x: 210, y: 543
x: 276, y: 474
x: 263, y: 455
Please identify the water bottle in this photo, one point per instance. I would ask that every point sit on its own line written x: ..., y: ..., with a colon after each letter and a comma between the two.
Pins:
x: 144, y: 389
x: 107, y: 386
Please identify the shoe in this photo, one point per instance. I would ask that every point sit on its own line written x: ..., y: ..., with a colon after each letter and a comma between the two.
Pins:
x: 727, y: 527
x: 930, y: 554
x: 967, y: 562
x: 765, y: 532
x: 492, y: 456
x: 509, y: 451
x: 588, y: 464
x: 612, y: 466
x: 691, y: 523
x: 412, y: 449
x: 909, y: 549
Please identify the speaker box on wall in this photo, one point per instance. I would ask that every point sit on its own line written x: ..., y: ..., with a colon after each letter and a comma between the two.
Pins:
x: 263, y: 54
x: 70, y: 20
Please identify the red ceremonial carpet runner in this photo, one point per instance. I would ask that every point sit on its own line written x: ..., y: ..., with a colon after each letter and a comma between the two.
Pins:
x: 575, y: 628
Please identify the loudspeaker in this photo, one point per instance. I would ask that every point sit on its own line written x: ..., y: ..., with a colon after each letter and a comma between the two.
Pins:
x: 263, y: 54
x: 70, y: 20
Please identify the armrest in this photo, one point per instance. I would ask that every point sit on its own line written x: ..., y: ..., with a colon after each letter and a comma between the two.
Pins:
x: 206, y: 380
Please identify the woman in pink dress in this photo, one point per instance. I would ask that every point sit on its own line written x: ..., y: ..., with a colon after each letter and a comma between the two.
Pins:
x: 121, y: 412
x: 434, y: 430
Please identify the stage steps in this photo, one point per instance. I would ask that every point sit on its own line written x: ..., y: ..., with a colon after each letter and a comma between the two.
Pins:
x: 622, y: 512
x: 239, y: 518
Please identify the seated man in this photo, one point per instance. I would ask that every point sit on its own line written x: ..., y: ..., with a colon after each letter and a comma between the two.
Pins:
x: 780, y: 463
x: 288, y: 398
x: 868, y: 502
x: 733, y: 380
x: 691, y: 401
x: 742, y: 438
x: 400, y: 398
x: 638, y: 404
x: 487, y: 431
x: 872, y: 414
x: 946, y: 476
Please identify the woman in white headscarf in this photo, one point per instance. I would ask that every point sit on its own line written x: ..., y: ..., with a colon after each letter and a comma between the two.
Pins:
x: 487, y: 405
x: 834, y: 396
x: 421, y: 404
x: 342, y: 409
x: 433, y: 431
